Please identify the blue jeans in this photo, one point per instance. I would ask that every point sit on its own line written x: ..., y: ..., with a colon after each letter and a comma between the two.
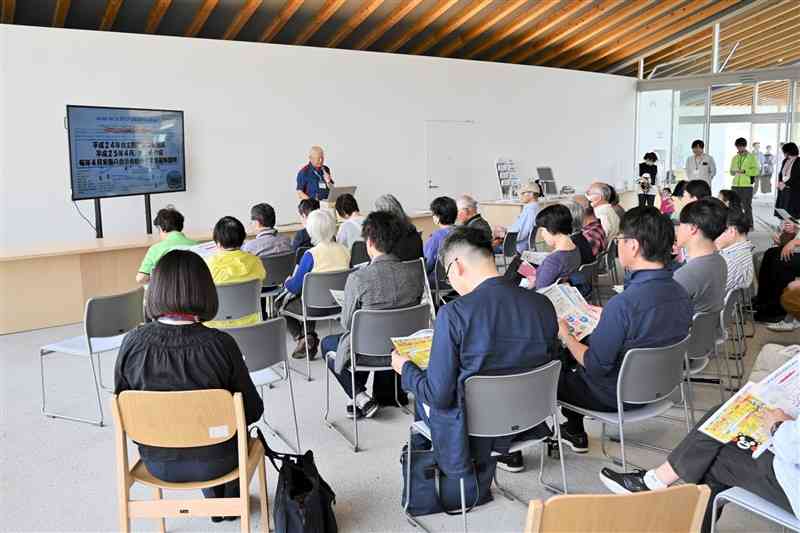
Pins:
x: 329, y: 344
x: 198, y: 470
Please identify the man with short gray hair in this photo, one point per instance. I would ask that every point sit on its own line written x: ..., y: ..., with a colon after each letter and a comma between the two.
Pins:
x: 468, y: 215
x: 599, y: 195
x: 314, y: 179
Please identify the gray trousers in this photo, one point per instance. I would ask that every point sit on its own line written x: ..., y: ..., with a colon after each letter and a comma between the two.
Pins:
x: 746, y: 194
x: 702, y: 460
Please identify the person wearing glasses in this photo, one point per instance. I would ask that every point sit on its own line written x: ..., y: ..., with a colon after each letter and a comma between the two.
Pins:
x: 268, y: 241
x: 652, y: 311
x: 495, y: 327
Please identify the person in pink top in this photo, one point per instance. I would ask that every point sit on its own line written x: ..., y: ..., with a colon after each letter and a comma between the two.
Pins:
x: 667, y: 205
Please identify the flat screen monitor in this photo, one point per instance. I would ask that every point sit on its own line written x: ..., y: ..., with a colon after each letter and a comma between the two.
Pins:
x: 125, y: 151
x: 547, y: 181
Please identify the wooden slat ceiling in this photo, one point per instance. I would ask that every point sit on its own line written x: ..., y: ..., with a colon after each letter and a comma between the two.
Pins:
x: 593, y: 35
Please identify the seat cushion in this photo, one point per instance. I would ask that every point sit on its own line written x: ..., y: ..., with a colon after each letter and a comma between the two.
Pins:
x: 649, y: 410
x: 265, y: 376
x: 77, y: 345
x: 760, y: 506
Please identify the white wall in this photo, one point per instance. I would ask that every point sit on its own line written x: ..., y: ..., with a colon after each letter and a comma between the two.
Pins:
x: 252, y: 111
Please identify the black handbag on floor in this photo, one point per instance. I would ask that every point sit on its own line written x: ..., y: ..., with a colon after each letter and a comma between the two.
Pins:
x: 432, y: 491
x: 303, y: 501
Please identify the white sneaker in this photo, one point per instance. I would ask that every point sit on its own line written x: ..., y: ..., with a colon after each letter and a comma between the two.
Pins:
x: 784, y: 325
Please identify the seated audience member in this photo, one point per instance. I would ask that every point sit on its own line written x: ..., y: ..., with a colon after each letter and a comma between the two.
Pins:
x: 468, y: 214
x: 779, y: 267
x: 577, y: 236
x: 177, y: 352
x: 556, y: 224
x: 730, y: 198
x: 652, y: 311
x: 495, y: 327
x: 169, y: 221
x: 680, y: 187
x: 614, y: 201
x: 593, y: 230
x: 350, y: 230
x: 324, y: 256
x: 598, y: 195
x: 696, y: 190
x: 705, y: 274
x: 790, y: 301
x: 410, y: 245
x: 667, y: 205
x: 774, y: 476
x: 737, y: 250
x: 231, y: 265
x: 385, y: 283
x: 268, y: 241
x: 301, y: 238
x: 444, y: 212
x: 525, y: 225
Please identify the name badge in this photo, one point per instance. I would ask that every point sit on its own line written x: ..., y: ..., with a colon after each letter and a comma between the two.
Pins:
x: 322, y: 185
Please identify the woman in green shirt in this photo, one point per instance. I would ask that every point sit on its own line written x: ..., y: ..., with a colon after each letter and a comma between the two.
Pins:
x: 170, y: 223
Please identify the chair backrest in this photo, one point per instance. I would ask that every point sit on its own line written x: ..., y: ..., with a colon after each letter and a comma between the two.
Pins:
x: 262, y: 345
x: 442, y: 284
x: 109, y: 316
x: 510, y: 244
x: 358, y: 253
x: 372, y: 329
x: 590, y: 269
x: 278, y: 267
x: 651, y: 374
x: 676, y: 509
x: 728, y: 312
x: 506, y: 405
x: 298, y: 254
x: 238, y: 299
x: 427, y: 296
x: 705, y: 327
x: 317, y: 288
x: 184, y: 419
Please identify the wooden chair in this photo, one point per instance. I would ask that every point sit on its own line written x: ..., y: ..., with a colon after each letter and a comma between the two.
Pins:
x: 185, y: 419
x: 675, y: 510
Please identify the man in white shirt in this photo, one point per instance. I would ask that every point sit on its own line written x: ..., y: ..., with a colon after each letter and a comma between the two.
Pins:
x: 700, y: 165
x: 598, y: 195
x: 737, y: 250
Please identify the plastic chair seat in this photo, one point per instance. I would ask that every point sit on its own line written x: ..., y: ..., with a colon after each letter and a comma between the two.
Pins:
x: 77, y: 345
x: 758, y: 505
x: 335, y: 314
x: 271, y: 291
x: 139, y: 472
x: 698, y: 364
x: 649, y: 410
x: 265, y: 376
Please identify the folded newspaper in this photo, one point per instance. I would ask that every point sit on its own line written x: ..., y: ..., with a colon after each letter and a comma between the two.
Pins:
x: 534, y: 258
x: 741, y: 419
x: 571, y: 306
x: 416, y: 347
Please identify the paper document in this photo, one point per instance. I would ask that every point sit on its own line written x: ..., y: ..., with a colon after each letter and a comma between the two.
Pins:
x: 534, y: 258
x: 571, y: 306
x: 416, y: 347
x: 338, y: 297
x: 781, y: 389
x: 618, y: 288
x: 204, y: 249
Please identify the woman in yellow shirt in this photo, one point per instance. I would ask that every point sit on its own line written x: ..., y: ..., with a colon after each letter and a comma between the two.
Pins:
x: 231, y: 265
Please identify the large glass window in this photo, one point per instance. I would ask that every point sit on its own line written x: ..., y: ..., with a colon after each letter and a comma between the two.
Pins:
x: 688, y: 125
x: 655, y: 125
x: 731, y: 100
x: 773, y: 97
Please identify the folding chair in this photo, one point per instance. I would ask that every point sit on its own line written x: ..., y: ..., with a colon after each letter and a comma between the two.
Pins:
x: 442, y: 286
x: 263, y: 346
x: 185, y: 419
x: 700, y: 350
x: 370, y: 338
x: 358, y: 254
x: 675, y: 509
x: 732, y: 333
x: 316, y: 295
x: 298, y: 254
x: 589, y: 270
x: 278, y: 268
x: 754, y: 504
x: 237, y: 300
x: 647, y: 378
x: 106, y: 319
x: 504, y: 406
x: 509, y: 247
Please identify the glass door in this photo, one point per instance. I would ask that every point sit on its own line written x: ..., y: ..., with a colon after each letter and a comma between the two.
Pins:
x: 730, y: 119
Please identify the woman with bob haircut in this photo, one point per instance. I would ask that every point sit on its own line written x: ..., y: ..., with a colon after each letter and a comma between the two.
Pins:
x: 177, y: 352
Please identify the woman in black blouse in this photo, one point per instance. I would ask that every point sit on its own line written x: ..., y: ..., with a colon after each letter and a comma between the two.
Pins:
x: 176, y: 352
x: 410, y: 245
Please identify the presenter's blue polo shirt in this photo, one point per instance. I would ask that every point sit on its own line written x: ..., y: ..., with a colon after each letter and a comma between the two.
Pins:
x: 311, y: 181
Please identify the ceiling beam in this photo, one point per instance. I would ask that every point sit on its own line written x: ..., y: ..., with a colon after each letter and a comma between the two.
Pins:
x: 403, y: 8
x: 363, y: 12
x: 200, y: 18
x: 632, y: 46
x: 560, y: 51
x: 772, y: 48
x: 60, y: 13
x: 109, y: 15
x: 555, y: 18
x: 7, y: 11
x: 528, y: 15
x: 323, y: 15
x: 595, y: 12
x: 280, y: 20
x: 505, y: 9
x: 424, y: 21
x: 241, y: 18
x: 452, y: 25
x: 155, y: 15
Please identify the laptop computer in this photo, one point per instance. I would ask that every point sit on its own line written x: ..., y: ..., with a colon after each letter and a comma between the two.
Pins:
x: 336, y: 192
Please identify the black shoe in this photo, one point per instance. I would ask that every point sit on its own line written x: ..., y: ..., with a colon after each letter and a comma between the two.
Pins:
x: 578, y: 442
x: 767, y: 318
x: 512, y: 462
x: 217, y: 519
x: 623, y: 483
x: 359, y: 413
x: 313, y: 346
x: 370, y: 408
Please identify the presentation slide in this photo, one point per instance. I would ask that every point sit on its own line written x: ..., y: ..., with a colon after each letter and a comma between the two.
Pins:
x: 124, y: 152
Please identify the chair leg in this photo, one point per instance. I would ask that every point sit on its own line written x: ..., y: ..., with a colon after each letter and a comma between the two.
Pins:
x: 331, y: 424
x: 162, y: 523
x: 263, y: 497
x: 686, y: 393
x: 294, y: 410
x: 463, y: 503
x: 244, y: 498
x: 622, y: 446
x: 275, y: 433
x: 353, y: 394
x: 308, y: 353
x: 50, y: 414
x: 397, y: 399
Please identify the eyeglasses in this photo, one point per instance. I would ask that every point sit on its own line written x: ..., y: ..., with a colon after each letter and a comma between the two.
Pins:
x: 447, y: 270
x: 619, y: 238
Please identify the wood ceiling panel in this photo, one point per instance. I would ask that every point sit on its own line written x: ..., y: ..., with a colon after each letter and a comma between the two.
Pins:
x: 424, y: 21
x: 402, y: 9
x: 200, y: 18
x: 527, y: 16
x: 475, y: 7
x: 241, y: 18
x: 280, y: 20
x: 363, y: 12
x: 155, y: 15
x: 7, y: 9
x: 508, y: 7
x: 60, y: 13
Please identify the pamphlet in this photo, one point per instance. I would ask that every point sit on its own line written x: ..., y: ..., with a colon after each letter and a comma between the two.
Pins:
x: 534, y: 258
x: 571, y: 306
x: 416, y: 347
x: 338, y: 297
x: 528, y: 273
x: 781, y: 389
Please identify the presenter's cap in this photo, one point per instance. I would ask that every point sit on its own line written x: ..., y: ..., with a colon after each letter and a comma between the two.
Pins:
x: 532, y: 188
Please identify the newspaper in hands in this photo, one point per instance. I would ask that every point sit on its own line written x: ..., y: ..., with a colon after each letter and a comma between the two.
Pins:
x: 534, y: 258
x: 571, y: 306
x: 781, y: 389
x: 338, y: 297
x: 416, y: 347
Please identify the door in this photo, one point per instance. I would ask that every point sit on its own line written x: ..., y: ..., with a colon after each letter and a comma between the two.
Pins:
x: 451, y: 166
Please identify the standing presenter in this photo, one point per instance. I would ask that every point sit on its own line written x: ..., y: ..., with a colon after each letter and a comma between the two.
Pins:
x: 314, y: 179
